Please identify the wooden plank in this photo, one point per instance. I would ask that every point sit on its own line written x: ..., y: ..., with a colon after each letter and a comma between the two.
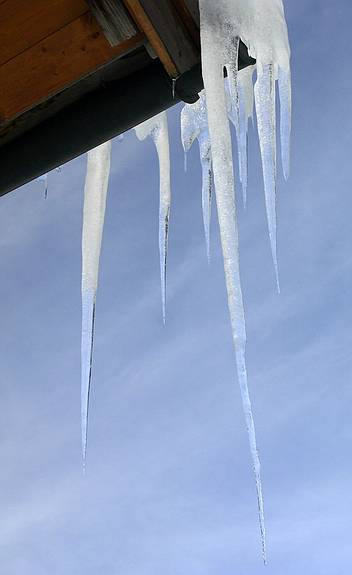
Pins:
x: 193, y: 7
x: 55, y: 63
x: 189, y: 14
x: 23, y: 23
x: 166, y: 33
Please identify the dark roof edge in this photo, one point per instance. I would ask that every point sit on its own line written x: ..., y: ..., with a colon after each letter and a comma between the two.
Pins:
x: 98, y: 116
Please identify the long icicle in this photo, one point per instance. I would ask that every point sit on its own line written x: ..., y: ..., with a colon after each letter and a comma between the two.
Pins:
x: 157, y: 128
x: 194, y: 125
x: 95, y: 190
x: 212, y: 66
x: 264, y: 93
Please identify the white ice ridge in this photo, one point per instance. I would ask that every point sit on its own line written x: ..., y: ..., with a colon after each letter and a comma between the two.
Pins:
x: 194, y: 125
x: 157, y: 128
x: 95, y: 190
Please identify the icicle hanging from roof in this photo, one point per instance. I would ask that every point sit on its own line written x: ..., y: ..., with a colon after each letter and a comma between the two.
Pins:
x: 157, y: 128
x: 194, y: 125
x: 261, y: 25
x: 95, y: 190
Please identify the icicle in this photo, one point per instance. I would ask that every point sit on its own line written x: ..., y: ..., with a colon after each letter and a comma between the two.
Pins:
x: 245, y: 111
x: 270, y: 46
x: 173, y: 87
x: 95, y: 190
x: 285, y: 118
x: 44, y: 178
x: 194, y: 125
x: 264, y: 92
x: 207, y: 185
x: 246, y: 101
x: 157, y: 128
x: 212, y: 42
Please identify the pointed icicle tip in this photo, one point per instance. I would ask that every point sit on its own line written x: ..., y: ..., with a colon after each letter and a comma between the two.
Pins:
x: 157, y: 128
x: 88, y: 320
x: 95, y: 191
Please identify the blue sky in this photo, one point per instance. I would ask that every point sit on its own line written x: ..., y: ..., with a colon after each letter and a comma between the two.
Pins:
x: 169, y: 486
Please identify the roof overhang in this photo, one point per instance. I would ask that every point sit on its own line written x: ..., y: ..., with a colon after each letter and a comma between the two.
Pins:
x: 74, y: 74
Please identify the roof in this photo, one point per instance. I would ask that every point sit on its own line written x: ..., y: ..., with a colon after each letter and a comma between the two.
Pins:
x: 74, y: 73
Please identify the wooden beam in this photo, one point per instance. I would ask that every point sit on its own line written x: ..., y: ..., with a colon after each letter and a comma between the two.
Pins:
x: 166, y: 33
x: 23, y: 23
x: 145, y: 24
x: 55, y: 63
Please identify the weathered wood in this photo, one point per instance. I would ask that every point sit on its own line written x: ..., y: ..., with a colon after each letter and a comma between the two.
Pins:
x: 189, y: 14
x: 55, y: 63
x: 113, y: 19
x: 144, y: 23
x: 193, y: 7
x: 23, y: 23
x: 166, y: 33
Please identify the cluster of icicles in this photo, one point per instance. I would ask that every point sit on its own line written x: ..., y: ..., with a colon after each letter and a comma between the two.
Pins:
x: 261, y: 26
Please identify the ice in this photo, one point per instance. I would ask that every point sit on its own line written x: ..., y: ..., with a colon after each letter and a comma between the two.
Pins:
x: 285, y: 118
x: 264, y: 92
x: 261, y: 25
x: 215, y: 21
x: 194, y: 125
x: 44, y: 178
x: 95, y: 190
x: 240, y: 120
x: 270, y: 46
x: 157, y: 128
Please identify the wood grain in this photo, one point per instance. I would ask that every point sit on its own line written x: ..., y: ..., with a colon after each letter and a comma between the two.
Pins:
x: 56, y: 62
x: 23, y: 23
x: 190, y: 18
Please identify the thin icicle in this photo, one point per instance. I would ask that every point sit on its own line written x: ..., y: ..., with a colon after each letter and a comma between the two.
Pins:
x: 95, y: 190
x: 194, y: 125
x: 264, y: 92
x: 285, y: 118
x: 212, y: 66
x: 270, y: 46
x: 157, y: 128
x: 246, y: 100
x: 207, y: 185
x: 44, y: 178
